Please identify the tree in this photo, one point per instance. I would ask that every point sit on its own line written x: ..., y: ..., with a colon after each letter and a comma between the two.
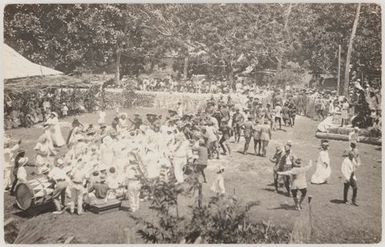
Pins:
x: 348, y: 56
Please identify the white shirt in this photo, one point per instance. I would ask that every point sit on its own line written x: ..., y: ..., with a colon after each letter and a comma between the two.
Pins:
x: 57, y: 174
x: 347, y: 168
x: 22, y: 174
x: 277, y: 111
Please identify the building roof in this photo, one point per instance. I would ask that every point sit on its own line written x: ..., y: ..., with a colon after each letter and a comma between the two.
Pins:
x: 17, y: 66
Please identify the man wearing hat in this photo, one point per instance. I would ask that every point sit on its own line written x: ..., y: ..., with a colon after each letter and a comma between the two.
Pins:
x: 237, y: 123
x: 277, y: 168
x: 286, y: 163
x: 78, y: 178
x: 248, y: 128
x: 224, y: 141
x: 299, y: 181
x: 348, y: 169
x: 265, y: 136
x: 59, y: 177
x: 136, y: 122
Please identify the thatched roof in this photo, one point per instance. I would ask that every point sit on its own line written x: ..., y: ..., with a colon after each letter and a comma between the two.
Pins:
x: 62, y: 81
x: 17, y: 66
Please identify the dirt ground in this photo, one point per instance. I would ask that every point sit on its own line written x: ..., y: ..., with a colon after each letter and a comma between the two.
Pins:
x: 248, y: 177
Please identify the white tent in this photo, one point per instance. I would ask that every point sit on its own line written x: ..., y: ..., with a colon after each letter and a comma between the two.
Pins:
x: 17, y: 66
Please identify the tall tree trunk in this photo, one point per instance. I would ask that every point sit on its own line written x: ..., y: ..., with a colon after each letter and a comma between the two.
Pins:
x: 285, y: 30
x: 350, y: 47
x: 117, y: 71
x: 185, y: 68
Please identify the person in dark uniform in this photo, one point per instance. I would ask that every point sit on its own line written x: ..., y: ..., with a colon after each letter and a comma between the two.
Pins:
x: 237, y: 123
x: 137, y: 122
x: 257, y: 137
x: 224, y: 141
x: 248, y: 133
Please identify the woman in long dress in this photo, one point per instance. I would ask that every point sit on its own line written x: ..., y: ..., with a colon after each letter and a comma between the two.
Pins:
x: 323, y: 170
x: 56, y: 135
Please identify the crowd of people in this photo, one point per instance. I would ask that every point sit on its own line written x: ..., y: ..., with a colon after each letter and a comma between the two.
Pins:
x: 98, y: 162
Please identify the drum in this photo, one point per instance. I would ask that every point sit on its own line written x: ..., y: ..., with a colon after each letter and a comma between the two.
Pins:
x: 33, y: 193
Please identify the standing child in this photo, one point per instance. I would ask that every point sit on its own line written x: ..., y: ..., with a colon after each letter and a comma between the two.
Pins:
x: 219, y: 183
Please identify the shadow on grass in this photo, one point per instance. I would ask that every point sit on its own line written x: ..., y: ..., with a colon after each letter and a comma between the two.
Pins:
x: 248, y: 153
x: 285, y: 207
x: 337, y: 201
x: 277, y: 192
x: 48, y: 207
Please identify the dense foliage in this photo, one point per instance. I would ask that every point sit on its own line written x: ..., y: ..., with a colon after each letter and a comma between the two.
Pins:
x: 214, y: 39
x: 224, y: 219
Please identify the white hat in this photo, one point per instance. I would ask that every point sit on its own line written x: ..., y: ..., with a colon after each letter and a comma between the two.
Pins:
x: 23, y: 161
x: 60, y: 161
x: 107, y: 140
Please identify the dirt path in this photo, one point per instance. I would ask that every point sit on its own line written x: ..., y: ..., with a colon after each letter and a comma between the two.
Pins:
x: 249, y: 178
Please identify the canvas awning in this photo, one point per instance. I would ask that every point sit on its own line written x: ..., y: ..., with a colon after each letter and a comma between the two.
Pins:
x: 17, y: 66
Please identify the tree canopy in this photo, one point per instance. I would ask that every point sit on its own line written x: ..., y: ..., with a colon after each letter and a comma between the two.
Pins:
x: 221, y: 39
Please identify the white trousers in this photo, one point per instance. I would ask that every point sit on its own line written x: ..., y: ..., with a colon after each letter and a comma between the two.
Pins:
x: 178, y: 168
x: 77, y: 192
x: 133, y: 193
x: 7, y: 177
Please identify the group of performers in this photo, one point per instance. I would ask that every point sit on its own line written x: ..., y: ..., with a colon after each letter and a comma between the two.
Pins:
x: 98, y: 163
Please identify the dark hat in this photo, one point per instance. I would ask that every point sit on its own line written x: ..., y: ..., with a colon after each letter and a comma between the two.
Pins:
x: 298, y: 162
x: 324, y: 142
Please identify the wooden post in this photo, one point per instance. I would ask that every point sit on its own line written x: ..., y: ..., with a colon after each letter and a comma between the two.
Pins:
x: 349, y: 54
x: 339, y: 71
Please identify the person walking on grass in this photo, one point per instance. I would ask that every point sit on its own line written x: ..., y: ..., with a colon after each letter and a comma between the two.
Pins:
x: 248, y: 127
x: 265, y: 136
x: 299, y: 183
x: 257, y: 138
x: 348, y: 169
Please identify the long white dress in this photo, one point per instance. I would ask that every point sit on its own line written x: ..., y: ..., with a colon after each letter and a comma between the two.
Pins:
x: 56, y: 135
x: 323, y: 170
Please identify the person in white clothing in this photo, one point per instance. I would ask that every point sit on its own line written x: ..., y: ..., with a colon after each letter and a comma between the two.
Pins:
x: 181, y: 154
x: 8, y: 159
x: 219, y: 184
x: 133, y: 185
x: 21, y: 171
x: 278, y: 115
x: 348, y: 169
x: 54, y: 126
x: 59, y: 177
x: 323, y: 169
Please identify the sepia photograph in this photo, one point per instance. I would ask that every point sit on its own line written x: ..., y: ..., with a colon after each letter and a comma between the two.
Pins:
x: 192, y: 123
